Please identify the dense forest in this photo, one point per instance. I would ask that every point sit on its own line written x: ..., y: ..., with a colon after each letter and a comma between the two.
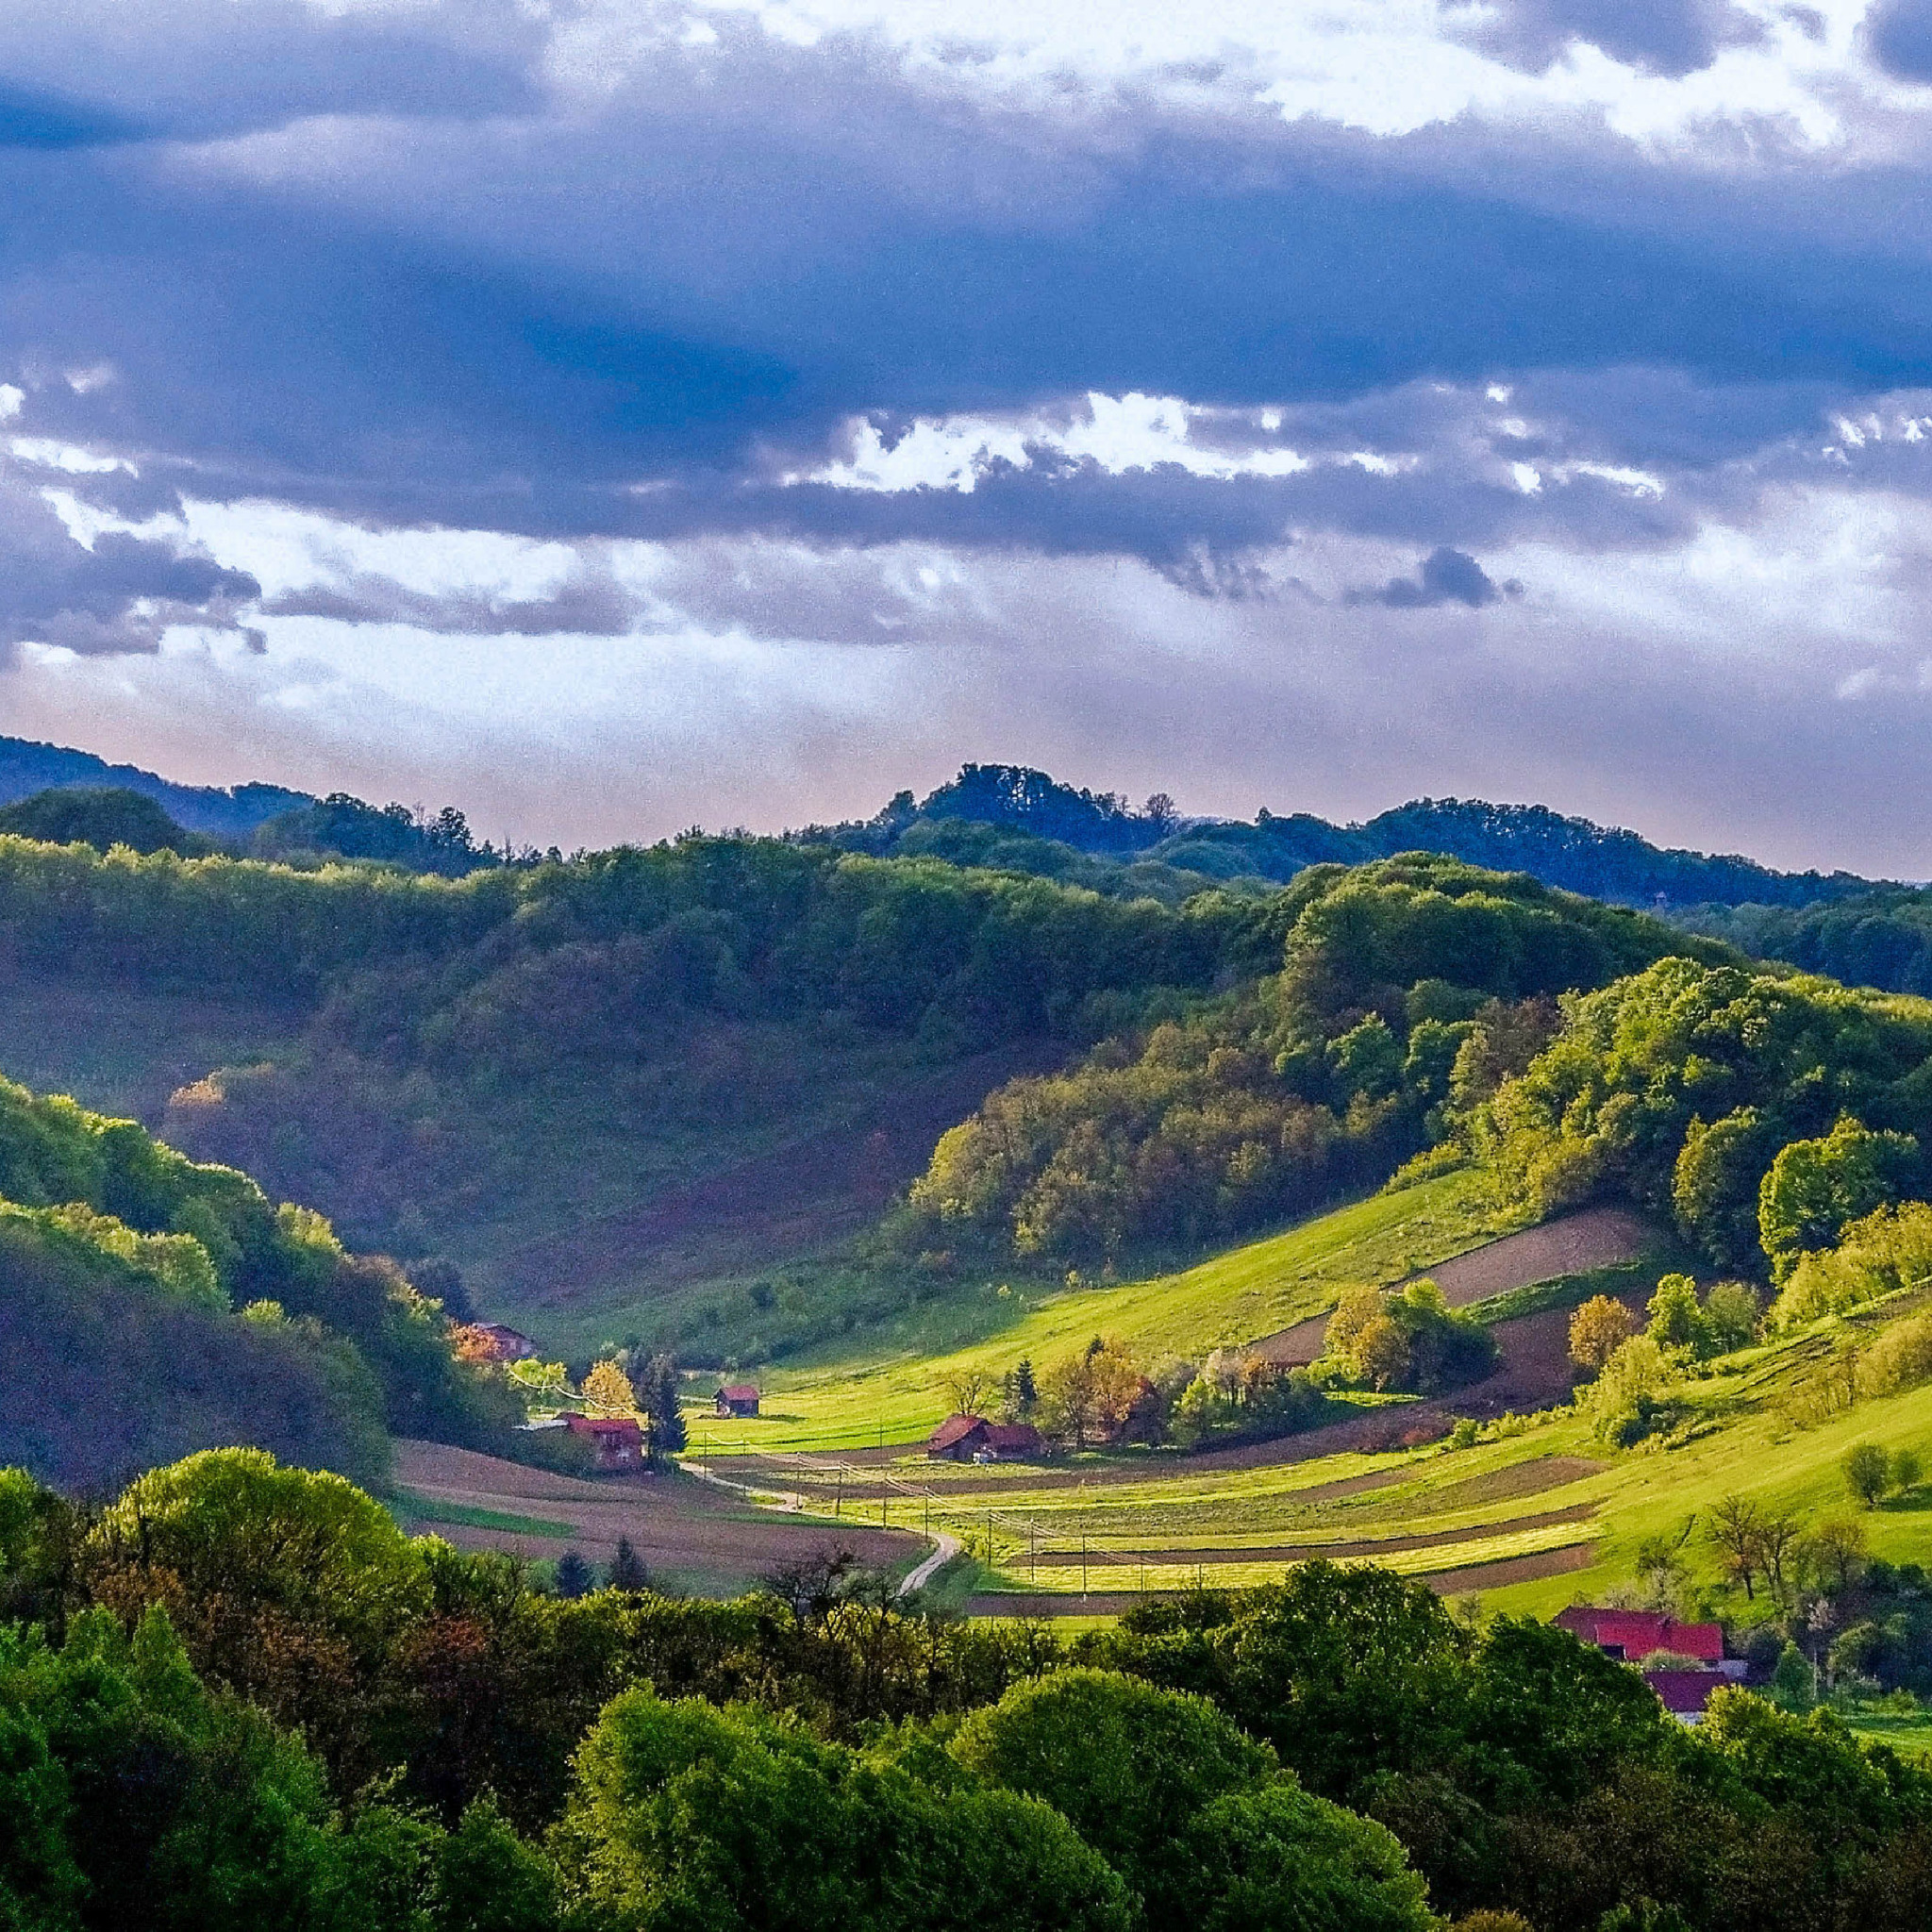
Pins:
x: 1032, y: 822
x: 238, y: 1696
x: 1409, y: 989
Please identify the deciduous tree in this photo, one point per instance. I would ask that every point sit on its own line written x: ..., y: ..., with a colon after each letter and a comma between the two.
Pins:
x: 1597, y: 1330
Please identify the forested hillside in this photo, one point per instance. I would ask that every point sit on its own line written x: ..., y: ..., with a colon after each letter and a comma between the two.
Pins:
x: 1013, y: 816
x: 150, y: 1306
x: 1410, y: 989
x: 540, y: 1054
x: 28, y: 766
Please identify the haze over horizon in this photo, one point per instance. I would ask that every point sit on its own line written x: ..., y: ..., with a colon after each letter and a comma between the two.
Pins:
x: 611, y: 416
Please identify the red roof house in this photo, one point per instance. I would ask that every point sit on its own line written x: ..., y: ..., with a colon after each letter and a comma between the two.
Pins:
x: 972, y: 1437
x: 1685, y: 1693
x: 618, y: 1441
x: 738, y: 1398
x: 1634, y: 1635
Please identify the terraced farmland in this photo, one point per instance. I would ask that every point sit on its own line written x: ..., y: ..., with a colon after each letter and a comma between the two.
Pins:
x: 1535, y: 1512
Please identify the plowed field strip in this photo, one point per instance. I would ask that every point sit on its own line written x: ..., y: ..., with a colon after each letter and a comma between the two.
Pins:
x: 1299, y: 1553
x: 1112, y: 1603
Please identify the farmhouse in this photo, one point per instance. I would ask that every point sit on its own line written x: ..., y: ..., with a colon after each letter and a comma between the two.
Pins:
x: 973, y: 1438
x: 1634, y: 1635
x: 506, y: 1344
x: 738, y: 1398
x: 618, y: 1441
x: 1685, y: 1693
x: 1630, y: 1636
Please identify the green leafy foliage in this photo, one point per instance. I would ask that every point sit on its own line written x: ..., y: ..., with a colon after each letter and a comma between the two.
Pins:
x: 1680, y: 1086
x: 689, y: 1815
x: 122, y: 1353
x: 1306, y: 1755
x: 1393, y: 1010
x: 105, y: 1209
x: 101, y: 816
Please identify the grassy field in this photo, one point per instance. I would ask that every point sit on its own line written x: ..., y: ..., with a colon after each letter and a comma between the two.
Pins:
x: 1909, y: 1735
x: 1535, y: 1514
x: 893, y: 1387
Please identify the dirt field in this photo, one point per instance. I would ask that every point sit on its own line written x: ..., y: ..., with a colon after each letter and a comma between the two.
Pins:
x: 1597, y: 1238
x: 1302, y: 1553
x: 1476, y: 1576
x: 692, y: 1536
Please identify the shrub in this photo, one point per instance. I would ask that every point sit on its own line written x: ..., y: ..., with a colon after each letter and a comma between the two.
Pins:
x: 1900, y: 1357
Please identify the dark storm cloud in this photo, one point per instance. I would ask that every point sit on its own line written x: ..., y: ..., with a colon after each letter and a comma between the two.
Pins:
x: 1666, y: 37
x: 1899, y: 33
x: 1444, y: 577
x: 530, y: 317
x: 632, y: 314
x: 118, y: 595
x: 99, y: 73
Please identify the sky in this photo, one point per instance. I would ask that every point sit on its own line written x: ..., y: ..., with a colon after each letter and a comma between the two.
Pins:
x: 612, y: 417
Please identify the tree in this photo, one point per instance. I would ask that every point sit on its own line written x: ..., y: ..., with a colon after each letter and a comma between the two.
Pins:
x: 1659, y: 1566
x: 1838, y: 1547
x: 1731, y: 1312
x: 1778, y: 1533
x: 488, y: 1880
x: 1276, y: 1858
x: 1026, y: 1391
x: 1148, y: 1760
x: 1353, y: 1313
x: 627, y: 1568
x: 1598, y: 1329
x: 1867, y: 1471
x: 1814, y: 1188
x: 1791, y: 1678
x: 1714, y: 1186
x: 1631, y: 1381
x: 685, y: 1814
x: 1907, y: 1472
x: 574, y: 1578
x: 966, y: 1389
x: 608, y: 1390
x: 442, y: 1281
x: 1675, y: 1319
x: 658, y: 1385
x: 1087, y: 1396
x: 1736, y: 1526
x: 1381, y: 1352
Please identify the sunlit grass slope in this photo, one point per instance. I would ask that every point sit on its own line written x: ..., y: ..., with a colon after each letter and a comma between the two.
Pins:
x: 887, y: 1388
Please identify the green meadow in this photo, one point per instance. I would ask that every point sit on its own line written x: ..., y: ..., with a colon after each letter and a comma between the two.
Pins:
x: 886, y: 1387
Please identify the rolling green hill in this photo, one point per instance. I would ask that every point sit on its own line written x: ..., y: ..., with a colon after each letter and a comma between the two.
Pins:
x: 657, y: 1096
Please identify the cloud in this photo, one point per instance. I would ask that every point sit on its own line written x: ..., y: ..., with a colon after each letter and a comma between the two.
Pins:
x: 1900, y: 36
x: 799, y: 390
x: 1444, y: 577
x: 1670, y: 38
x: 92, y: 72
x: 120, y: 594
